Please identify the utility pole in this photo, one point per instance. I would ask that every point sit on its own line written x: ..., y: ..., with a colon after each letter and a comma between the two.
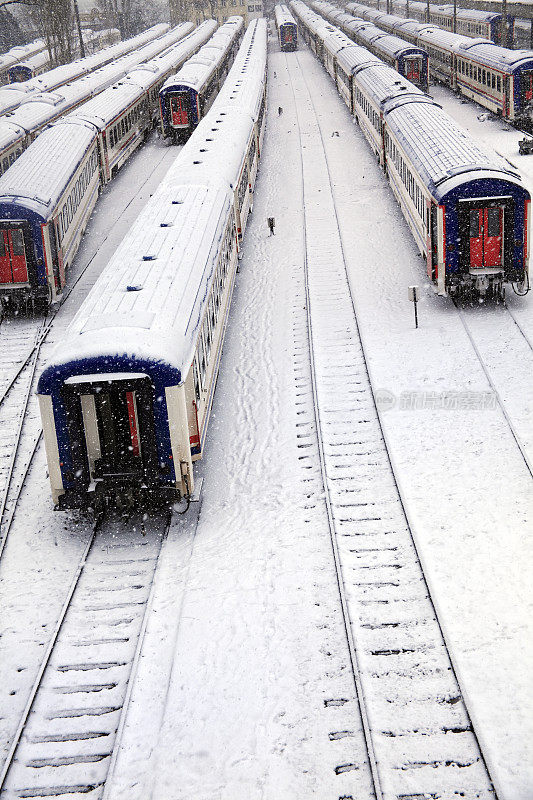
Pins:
x: 427, y: 11
x: 504, y: 23
x: 455, y: 16
x: 78, y: 23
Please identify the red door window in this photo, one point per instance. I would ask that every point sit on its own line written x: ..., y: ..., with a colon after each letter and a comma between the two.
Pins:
x: 486, y: 237
x: 412, y: 69
x: 134, y: 424
x: 527, y: 82
x: 178, y: 111
x: 13, y: 266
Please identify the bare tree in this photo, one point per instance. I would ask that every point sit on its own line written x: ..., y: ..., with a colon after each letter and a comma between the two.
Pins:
x: 54, y: 20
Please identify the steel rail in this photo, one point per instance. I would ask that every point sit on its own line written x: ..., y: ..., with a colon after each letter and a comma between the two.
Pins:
x: 363, y: 706
x: 134, y: 667
x: 368, y: 730
x: 492, y: 385
x: 51, y: 644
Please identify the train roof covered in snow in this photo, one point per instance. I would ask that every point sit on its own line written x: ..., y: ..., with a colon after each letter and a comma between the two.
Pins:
x: 283, y: 15
x: 29, y: 182
x: 199, y: 68
x: 442, y: 150
x: 145, y: 310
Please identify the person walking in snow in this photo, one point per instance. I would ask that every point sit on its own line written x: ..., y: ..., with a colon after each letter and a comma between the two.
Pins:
x: 280, y: 111
x: 271, y: 223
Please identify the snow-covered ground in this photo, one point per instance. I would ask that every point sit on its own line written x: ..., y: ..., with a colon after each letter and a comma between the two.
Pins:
x: 468, y: 496
x: 246, y: 646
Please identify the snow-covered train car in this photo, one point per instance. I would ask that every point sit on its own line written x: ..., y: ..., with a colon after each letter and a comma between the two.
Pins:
x: 42, y: 109
x: 469, y: 22
x: 312, y: 28
x: 49, y: 195
x: 187, y: 96
x: 16, y: 54
x: 126, y: 397
x: 124, y: 114
x: 12, y: 95
x: 43, y: 212
x: 495, y: 77
x: 467, y: 209
x: 30, y: 68
x: 12, y: 142
x: 287, y: 29
x: 409, y: 60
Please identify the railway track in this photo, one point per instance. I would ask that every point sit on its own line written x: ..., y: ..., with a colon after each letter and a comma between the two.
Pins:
x: 20, y: 427
x: 418, y: 737
x: 73, y: 718
x: 505, y: 355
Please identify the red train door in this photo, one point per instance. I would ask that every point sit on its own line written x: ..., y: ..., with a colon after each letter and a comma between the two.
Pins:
x: 412, y: 69
x: 486, y: 237
x: 13, y: 265
x: 178, y: 111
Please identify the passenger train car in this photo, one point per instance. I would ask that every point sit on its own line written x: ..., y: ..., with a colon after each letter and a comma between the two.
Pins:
x: 469, y: 22
x: 46, y: 199
x: 495, y: 77
x: 407, y: 59
x: 287, y: 29
x: 12, y: 95
x: 16, y: 54
x: 41, y: 110
x: 30, y: 68
x: 126, y: 397
x: 186, y: 97
x: 467, y: 209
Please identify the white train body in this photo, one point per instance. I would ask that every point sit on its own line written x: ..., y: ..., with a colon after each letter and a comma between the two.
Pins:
x: 49, y: 194
x: 126, y: 398
x: 12, y: 95
x: 42, y: 109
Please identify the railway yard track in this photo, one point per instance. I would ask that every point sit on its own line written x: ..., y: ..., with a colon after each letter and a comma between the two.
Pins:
x: 74, y: 714
x: 500, y: 343
x: 411, y: 731
x: 20, y: 426
x: 414, y: 736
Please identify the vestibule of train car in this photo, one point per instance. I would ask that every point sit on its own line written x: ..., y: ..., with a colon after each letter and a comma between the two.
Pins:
x: 179, y: 110
x: 486, y: 233
x: 413, y: 68
x: 111, y: 429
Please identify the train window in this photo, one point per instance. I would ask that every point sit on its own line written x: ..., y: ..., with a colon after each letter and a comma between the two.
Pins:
x: 498, y: 83
x: 196, y: 377
x: 493, y: 222
x: 493, y: 81
x: 474, y: 224
x: 5, y: 164
x: 17, y: 242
